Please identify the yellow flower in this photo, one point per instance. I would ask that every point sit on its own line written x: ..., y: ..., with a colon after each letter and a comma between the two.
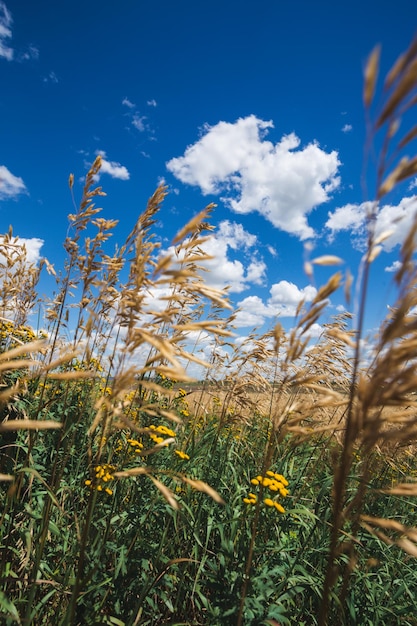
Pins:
x: 282, y: 479
x: 269, y: 502
x: 182, y: 455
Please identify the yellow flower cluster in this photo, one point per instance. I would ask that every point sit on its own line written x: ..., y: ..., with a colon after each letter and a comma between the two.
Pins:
x: 182, y: 455
x: 251, y: 499
x: 82, y: 366
x: 13, y: 336
x: 181, y: 403
x: 104, y: 474
x: 277, y: 505
x: 136, y: 445
x: 158, y: 431
x: 277, y: 483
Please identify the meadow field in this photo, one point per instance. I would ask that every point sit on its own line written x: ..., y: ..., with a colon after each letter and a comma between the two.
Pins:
x: 279, y: 488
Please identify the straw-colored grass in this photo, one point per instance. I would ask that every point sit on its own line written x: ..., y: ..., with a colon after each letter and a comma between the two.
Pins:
x: 279, y: 489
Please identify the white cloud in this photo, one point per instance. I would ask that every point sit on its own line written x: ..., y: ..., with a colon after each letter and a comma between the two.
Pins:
x: 252, y: 313
x: 10, y: 185
x: 348, y: 217
x: 231, y: 239
x: 31, y: 54
x: 127, y: 103
x: 347, y: 128
x: 285, y: 297
x: 114, y: 169
x: 394, y: 267
x: 33, y: 247
x: 315, y: 331
x: 138, y: 121
x: 394, y: 218
x: 413, y: 184
x: 283, y: 301
x: 51, y: 78
x: 282, y: 181
x: 5, y: 32
x: 152, y: 103
x: 223, y: 271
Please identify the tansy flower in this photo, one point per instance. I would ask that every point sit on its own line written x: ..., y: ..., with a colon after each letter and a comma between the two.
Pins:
x: 182, y: 455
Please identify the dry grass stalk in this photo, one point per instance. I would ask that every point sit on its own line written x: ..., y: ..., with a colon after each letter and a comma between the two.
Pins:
x: 392, y: 374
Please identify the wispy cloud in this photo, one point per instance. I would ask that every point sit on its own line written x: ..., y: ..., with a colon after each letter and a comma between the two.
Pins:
x: 138, y: 121
x: 31, y: 54
x: 127, y: 103
x: 347, y: 128
x: 112, y: 168
x: 5, y: 32
x: 10, y: 185
x: 51, y: 78
x: 282, y: 181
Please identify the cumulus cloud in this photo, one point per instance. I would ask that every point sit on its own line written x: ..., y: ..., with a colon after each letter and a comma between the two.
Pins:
x: 283, y: 301
x: 235, y: 262
x: 282, y: 181
x: 234, y: 273
x: 349, y: 217
x: 394, y: 267
x: 152, y: 103
x: 33, y: 247
x: 5, y: 32
x: 114, y: 169
x: 10, y: 185
x: 396, y: 219
x: 347, y: 128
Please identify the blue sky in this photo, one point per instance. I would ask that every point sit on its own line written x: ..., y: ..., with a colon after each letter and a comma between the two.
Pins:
x: 254, y: 106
